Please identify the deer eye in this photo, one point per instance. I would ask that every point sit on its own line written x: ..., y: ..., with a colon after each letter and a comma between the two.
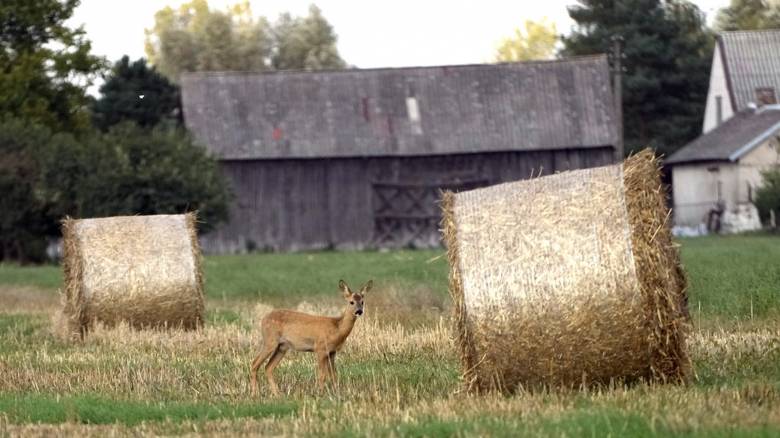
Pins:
x: 351, y: 302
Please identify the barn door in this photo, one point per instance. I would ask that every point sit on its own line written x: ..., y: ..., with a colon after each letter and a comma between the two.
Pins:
x: 407, y: 215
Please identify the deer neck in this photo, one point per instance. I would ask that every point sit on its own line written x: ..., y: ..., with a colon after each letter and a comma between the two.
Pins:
x: 347, y: 321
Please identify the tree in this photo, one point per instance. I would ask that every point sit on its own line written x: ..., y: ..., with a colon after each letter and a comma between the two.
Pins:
x: 307, y: 43
x: 138, y: 93
x: 131, y: 170
x: 45, y: 66
x: 536, y: 41
x: 197, y: 38
x: 667, y: 51
x: 125, y: 171
x: 25, y: 216
x: 749, y: 15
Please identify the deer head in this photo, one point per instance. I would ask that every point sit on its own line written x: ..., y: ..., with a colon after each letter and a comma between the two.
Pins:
x: 355, y: 300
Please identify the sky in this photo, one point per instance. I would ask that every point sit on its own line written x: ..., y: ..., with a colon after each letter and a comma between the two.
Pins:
x: 387, y: 33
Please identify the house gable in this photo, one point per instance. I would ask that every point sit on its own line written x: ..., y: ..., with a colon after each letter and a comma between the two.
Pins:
x: 720, y: 106
x: 751, y: 64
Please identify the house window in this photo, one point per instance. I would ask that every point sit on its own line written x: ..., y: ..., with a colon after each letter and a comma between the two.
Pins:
x: 765, y: 96
x: 720, y: 191
x: 749, y: 192
x: 718, y: 110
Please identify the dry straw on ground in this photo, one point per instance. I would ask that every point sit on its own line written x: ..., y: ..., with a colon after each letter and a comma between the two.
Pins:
x: 145, y: 270
x: 567, y: 280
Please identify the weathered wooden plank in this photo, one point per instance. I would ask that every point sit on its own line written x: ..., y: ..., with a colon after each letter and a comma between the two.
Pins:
x: 286, y: 205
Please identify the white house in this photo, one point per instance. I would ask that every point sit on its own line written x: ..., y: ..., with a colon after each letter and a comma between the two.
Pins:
x: 745, y: 70
x: 722, y: 168
x: 724, y: 165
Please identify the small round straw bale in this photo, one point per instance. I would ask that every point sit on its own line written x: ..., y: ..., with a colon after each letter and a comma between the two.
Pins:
x: 145, y: 270
x: 567, y: 280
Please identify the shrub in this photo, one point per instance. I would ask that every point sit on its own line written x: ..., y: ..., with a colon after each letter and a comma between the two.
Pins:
x: 130, y: 170
x: 125, y: 171
x: 25, y: 215
x: 768, y: 195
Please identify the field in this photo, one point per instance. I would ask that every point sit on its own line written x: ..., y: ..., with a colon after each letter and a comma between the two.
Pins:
x: 398, y: 371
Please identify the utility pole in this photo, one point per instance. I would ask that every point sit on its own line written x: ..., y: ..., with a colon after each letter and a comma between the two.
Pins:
x: 617, y: 87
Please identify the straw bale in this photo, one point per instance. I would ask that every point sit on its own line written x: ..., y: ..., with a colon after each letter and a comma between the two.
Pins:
x: 567, y: 280
x: 145, y: 270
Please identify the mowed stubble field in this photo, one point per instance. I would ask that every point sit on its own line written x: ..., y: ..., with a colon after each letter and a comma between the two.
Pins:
x: 399, y: 374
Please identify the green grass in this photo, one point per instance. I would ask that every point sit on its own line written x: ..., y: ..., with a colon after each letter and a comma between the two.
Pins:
x: 283, y: 277
x: 290, y: 277
x: 735, y: 277
x: 94, y: 409
x: 42, y: 277
x: 584, y: 423
x: 730, y: 276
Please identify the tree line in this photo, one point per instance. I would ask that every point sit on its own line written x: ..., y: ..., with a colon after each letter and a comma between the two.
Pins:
x: 666, y: 58
x: 64, y: 152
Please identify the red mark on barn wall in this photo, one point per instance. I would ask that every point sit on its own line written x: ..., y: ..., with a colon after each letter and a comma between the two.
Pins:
x: 366, y: 113
x: 277, y: 134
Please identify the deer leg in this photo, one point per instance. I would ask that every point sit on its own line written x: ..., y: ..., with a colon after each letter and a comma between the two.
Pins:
x: 323, y: 368
x: 267, y: 351
x: 269, y: 369
x: 332, y: 366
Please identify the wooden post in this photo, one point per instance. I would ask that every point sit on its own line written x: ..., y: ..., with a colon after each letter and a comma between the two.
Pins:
x: 617, y: 86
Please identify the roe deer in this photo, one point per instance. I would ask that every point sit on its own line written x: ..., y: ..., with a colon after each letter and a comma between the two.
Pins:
x: 285, y: 330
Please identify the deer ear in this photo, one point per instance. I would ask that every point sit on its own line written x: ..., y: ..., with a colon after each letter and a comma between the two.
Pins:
x: 366, y: 287
x: 344, y: 288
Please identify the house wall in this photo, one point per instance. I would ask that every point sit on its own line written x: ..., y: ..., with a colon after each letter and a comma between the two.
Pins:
x: 718, y: 87
x: 695, y: 186
x: 750, y: 167
x: 293, y: 205
x: 696, y: 191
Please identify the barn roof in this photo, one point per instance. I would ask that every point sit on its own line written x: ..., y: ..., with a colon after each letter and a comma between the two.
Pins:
x: 402, y: 111
x: 752, y: 61
x: 733, y: 138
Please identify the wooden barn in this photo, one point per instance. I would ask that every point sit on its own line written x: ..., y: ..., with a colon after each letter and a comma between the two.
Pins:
x: 356, y: 158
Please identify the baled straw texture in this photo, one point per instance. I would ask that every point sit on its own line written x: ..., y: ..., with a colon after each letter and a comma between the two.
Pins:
x: 145, y: 270
x: 567, y: 280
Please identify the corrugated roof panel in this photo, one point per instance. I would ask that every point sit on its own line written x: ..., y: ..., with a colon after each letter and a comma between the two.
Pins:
x: 723, y: 142
x: 753, y: 61
x: 462, y: 109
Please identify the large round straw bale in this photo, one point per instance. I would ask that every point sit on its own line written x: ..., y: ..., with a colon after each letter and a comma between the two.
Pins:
x: 145, y: 270
x: 567, y: 280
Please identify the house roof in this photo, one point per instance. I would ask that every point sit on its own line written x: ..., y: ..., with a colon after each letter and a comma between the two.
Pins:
x: 751, y: 60
x: 461, y: 109
x: 733, y: 138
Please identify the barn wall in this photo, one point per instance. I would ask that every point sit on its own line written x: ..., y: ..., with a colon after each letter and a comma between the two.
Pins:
x: 293, y: 205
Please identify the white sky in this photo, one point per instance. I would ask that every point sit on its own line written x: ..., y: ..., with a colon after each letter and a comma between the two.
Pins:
x: 388, y: 33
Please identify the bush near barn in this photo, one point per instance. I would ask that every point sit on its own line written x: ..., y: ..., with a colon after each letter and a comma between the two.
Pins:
x: 127, y: 170
x: 768, y: 195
